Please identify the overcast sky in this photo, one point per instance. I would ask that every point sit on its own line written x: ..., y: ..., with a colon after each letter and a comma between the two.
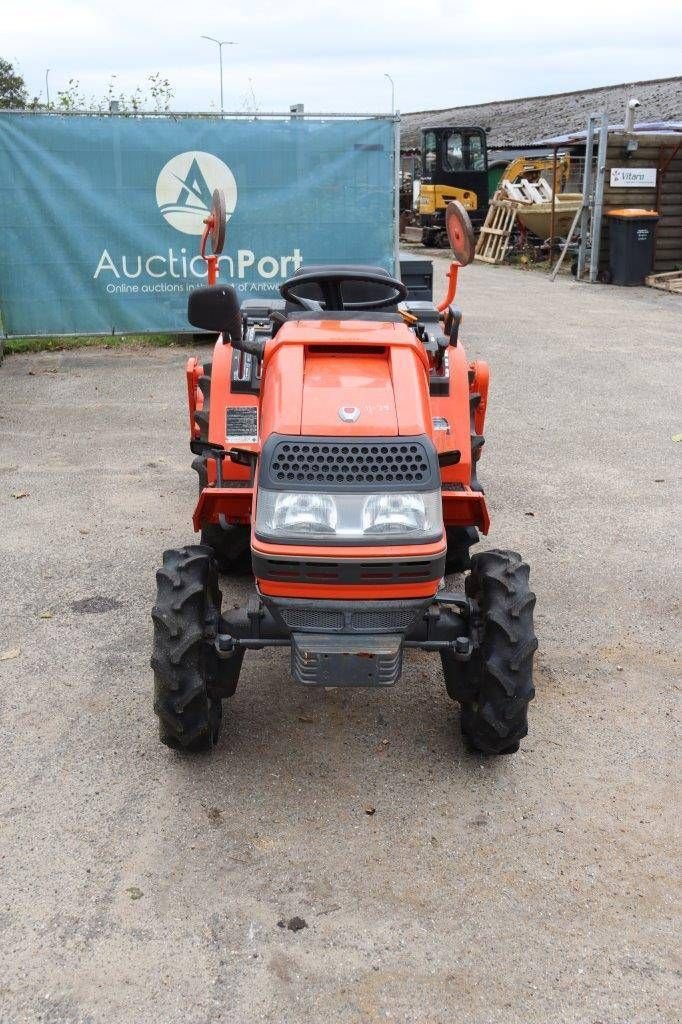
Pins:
x: 333, y: 56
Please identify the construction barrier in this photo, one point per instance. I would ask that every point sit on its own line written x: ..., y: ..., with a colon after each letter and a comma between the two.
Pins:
x: 101, y: 215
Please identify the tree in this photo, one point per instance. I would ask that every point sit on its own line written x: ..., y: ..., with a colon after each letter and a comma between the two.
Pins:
x: 156, y: 95
x: 12, y: 88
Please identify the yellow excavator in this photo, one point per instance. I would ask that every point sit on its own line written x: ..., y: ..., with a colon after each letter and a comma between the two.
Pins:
x: 456, y: 165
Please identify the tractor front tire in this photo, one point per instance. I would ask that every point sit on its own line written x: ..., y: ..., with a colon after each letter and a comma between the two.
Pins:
x: 498, y: 681
x: 186, y: 619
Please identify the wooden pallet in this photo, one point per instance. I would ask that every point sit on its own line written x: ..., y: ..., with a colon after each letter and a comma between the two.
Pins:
x: 526, y: 192
x: 671, y: 281
x: 493, y: 241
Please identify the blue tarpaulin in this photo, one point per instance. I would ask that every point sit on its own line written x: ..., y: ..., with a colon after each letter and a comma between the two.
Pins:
x: 101, y: 216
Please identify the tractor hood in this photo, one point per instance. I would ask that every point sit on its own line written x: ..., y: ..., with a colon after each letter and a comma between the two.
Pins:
x: 346, y: 378
x: 348, y: 393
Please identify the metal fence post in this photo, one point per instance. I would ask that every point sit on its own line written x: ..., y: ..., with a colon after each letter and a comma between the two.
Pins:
x: 587, y: 197
x: 598, y: 198
x: 396, y: 192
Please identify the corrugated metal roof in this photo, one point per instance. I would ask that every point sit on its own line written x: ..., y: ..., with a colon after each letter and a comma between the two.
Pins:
x: 522, y: 122
x: 644, y: 130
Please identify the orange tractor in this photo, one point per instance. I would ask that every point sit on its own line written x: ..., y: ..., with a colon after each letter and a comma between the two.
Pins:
x: 336, y: 436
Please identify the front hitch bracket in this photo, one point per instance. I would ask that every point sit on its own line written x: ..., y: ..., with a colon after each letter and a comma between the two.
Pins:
x: 443, y: 628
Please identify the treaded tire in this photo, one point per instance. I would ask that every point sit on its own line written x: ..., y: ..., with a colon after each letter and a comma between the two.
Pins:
x: 230, y: 546
x: 186, y: 618
x: 499, y: 677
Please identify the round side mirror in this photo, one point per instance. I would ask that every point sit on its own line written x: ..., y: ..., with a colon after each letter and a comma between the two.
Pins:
x: 460, y: 233
x: 217, y: 222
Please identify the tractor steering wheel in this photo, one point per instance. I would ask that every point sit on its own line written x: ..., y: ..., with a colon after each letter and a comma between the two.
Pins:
x: 330, y: 283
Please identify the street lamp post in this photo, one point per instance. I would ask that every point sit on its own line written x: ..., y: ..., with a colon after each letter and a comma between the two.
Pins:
x: 392, y: 92
x: 220, y: 43
x: 47, y: 85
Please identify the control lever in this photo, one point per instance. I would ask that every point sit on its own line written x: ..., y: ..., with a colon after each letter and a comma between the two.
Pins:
x: 443, y: 344
x: 453, y: 319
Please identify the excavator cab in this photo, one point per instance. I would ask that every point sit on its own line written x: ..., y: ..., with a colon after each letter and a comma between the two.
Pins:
x: 454, y: 167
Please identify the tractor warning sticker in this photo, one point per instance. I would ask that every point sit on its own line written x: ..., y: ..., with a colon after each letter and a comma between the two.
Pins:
x: 241, y: 424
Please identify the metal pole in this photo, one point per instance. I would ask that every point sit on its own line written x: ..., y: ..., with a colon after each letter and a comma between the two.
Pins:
x: 587, y: 197
x: 552, y: 227
x: 222, y: 101
x: 564, y: 250
x: 47, y: 85
x: 220, y: 43
x: 176, y: 115
x: 392, y: 92
x: 396, y: 194
x: 598, y: 198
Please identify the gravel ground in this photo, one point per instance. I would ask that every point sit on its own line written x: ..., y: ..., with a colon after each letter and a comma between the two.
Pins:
x: 138, y: 885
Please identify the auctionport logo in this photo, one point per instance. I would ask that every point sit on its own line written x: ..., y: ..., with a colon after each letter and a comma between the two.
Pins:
x: 185, y: 186
x: 184, y: 193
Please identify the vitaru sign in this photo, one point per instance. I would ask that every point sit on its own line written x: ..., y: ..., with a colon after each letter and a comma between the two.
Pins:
x: 633, y: 177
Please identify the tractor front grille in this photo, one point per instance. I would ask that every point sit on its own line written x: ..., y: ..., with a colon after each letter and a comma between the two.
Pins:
x: 363, y: 464
x: 350, y: 463
x: 347, y: 616
x: 311, y: 618
x: 348, y: 571
x: 376, y: 620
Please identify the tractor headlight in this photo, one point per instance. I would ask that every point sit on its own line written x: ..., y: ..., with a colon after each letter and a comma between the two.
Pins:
x: 303, y: 513
x: 356, y: 518
x: 394, y: 513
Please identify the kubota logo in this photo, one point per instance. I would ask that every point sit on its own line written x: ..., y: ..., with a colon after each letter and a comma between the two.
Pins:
x: 184, y: 189
x: 349, y: 413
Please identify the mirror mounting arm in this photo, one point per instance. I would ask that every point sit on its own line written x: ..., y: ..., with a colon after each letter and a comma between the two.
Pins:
x: 452, y: 287
x: 463, y: 244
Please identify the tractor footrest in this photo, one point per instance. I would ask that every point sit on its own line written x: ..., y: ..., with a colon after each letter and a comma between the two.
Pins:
x: 345, y: 660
